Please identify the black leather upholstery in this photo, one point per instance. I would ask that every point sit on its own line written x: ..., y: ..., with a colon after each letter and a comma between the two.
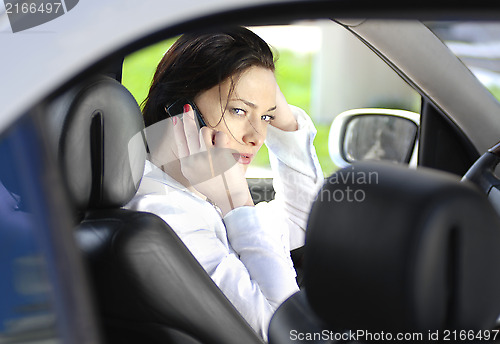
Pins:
x: 148, y: 286
x: 390, y: 249
x: 100, y: 146
x: 294, y: 319
x: 418, y: 251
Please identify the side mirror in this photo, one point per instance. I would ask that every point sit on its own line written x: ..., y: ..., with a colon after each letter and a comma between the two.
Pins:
x: 374, y: 134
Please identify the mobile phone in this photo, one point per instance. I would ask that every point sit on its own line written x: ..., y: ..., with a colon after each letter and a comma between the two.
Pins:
x: 178, y: 107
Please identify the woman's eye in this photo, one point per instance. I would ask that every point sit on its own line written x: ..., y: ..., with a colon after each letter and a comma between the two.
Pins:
x: 267, y: 118
x: 238, y: 112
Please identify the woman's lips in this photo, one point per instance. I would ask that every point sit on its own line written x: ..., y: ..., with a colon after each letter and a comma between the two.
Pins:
x: 243, y: 158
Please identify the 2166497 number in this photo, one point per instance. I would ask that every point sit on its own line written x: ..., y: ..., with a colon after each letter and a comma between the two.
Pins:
x: 25, y: 8
x: 470, y: 335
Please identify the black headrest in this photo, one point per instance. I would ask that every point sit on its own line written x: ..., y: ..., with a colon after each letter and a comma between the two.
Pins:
x: 394, y: 249
x: 98, y: 133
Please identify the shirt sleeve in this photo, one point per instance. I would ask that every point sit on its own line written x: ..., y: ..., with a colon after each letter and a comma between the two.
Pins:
x: 269, y: 276
x: 297, y: 174
x: 255, y: 272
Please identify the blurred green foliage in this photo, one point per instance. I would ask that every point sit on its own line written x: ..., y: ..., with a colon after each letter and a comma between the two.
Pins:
x: 293, y: 73
x: 495, y: 90
x: 139, y: 68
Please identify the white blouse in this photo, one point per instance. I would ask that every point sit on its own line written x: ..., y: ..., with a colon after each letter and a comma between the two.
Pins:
x: 246, y: 253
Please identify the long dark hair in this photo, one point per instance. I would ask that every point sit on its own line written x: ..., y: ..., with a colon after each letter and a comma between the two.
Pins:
x: 198, y: 61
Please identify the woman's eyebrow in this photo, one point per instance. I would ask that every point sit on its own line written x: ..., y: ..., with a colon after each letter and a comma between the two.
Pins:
x: 252, y: 105
x: 248, y: 103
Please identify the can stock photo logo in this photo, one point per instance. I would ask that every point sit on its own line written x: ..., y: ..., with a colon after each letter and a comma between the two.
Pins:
x: 26, y: 14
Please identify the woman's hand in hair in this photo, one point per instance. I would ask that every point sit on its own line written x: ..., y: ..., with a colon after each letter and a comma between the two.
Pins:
x: 209, y: 165
x: 283, y: 118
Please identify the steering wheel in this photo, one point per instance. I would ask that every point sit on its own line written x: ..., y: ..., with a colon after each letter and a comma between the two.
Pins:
x: 482, y: 173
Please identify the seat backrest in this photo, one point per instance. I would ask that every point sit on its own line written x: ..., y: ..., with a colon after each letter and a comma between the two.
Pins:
x: 395, y: 249
x: 391, y: 250
x: 148, y: 286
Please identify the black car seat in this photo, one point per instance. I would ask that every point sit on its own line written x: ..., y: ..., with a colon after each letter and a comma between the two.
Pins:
x: 148, y: 287
x: 395, y: 250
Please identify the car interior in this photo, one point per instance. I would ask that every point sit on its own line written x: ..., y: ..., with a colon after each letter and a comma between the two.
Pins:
x: 147, y: 285
x: 413, y: 272
x: 425, y: 268
x: 417, y: 271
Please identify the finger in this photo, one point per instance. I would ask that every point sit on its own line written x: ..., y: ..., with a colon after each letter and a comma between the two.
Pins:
x: 180, y: 137
x: 207, y: 136
x: 221, y: 140
x: 191, y: 130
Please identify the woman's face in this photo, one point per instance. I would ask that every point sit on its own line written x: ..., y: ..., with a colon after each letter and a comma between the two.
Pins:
x: 244, y: 113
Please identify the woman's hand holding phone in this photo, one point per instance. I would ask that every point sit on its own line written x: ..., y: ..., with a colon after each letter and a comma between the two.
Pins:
x: 208, y: 163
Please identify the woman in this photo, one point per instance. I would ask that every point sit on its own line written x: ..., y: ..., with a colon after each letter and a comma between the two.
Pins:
x: 194, y: 178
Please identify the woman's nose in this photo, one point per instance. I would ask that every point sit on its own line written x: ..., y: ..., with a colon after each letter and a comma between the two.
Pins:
x: 254, y: 135
x: 255, y: 139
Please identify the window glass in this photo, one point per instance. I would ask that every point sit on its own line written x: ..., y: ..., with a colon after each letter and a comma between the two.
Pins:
x: 27, y: 310
x: 477, y: 44
x: 320, y: 67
